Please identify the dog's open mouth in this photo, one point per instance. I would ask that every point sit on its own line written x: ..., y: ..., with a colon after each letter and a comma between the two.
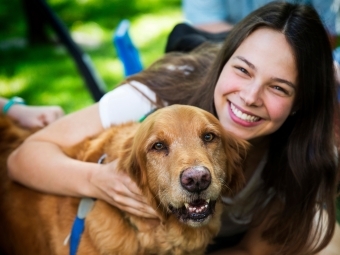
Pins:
x: 196, y: 211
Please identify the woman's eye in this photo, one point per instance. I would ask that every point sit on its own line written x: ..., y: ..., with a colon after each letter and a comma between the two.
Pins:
x: 208, y: 137
x: 158, y: 146
x: 278, y: 88
x: 243, y: 70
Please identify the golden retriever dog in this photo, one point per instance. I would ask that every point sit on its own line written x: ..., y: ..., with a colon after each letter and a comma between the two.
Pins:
x: 179, y: 156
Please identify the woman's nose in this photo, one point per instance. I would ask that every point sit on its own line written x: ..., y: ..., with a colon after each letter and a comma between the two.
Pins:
x: 251, y: 94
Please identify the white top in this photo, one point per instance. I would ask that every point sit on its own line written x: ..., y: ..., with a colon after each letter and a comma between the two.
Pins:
x: 127, y: 103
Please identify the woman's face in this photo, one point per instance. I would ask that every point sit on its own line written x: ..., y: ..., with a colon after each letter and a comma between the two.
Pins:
x: 255, y: 92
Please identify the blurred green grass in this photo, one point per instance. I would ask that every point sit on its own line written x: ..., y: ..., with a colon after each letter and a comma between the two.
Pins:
x: 47, y: 75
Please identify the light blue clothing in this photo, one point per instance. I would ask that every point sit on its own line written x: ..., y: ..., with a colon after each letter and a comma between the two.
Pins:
x: 232, y: 11
x: 336, y: 55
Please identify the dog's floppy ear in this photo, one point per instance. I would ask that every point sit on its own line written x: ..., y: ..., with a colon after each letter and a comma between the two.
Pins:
x: 236, y: 151
x: 132, y: 162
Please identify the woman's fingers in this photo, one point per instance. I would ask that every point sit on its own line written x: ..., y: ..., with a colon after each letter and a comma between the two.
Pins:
x: 118, y: 189
x: 132, y: 206
x: 128, y: 195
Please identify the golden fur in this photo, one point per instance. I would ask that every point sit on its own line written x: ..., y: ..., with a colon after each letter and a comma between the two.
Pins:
x: 155, y: 153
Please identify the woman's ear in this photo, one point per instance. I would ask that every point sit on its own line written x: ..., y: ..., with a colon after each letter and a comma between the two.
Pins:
x: 294, y: 110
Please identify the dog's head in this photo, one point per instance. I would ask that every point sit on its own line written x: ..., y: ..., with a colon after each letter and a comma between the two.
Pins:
x: 182, y: 157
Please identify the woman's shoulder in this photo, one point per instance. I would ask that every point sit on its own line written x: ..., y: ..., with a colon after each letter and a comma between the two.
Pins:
x: 128, y: 102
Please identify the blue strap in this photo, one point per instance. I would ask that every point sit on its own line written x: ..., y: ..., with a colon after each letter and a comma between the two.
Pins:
x: 77, y: 230
x: 85, y: 206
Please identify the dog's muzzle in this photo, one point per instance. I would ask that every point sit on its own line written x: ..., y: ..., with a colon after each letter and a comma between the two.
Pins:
x: 196, y: 211
x: 194, y: 181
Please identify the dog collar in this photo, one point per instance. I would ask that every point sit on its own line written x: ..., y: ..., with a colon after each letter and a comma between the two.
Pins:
x: 85, y: 206
x: 146, y: 115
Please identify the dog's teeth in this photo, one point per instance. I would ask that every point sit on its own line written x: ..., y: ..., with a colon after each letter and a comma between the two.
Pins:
x: 197, y: 209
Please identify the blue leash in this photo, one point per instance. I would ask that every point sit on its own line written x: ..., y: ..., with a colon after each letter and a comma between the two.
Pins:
x: 85, y: 206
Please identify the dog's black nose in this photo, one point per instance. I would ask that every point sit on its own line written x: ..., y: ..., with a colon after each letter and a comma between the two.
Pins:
x: 195, y: 179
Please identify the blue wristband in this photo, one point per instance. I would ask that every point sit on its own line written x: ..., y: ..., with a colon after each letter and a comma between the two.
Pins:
x: 11, y: 102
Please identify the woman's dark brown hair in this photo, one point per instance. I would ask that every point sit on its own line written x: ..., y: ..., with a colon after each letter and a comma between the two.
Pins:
x: 301, y: 165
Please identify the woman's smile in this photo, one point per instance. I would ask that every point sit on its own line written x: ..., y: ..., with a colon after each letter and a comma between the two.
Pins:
x: 243, y: 116
x: 255, y: 92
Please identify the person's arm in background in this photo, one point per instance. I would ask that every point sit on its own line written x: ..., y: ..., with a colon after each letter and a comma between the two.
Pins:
x: 209, y: 16
x: 29, y: 116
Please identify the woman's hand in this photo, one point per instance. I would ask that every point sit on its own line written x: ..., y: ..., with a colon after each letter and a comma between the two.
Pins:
x: 117, y: 188
x: 35, y: 116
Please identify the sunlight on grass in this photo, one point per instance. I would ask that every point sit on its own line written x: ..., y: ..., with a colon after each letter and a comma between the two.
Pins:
x: 150, y: 31
x: 89, y: 34
x: 13, y: 85
x: 149, y: 26
x: 111, y: 71
x: 83, y: 1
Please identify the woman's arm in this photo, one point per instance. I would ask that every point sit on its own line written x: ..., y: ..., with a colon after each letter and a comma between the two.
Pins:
x: 39, y: 163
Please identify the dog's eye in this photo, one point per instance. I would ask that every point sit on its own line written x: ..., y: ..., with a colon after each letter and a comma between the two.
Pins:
x: 208, y: 137
x: 158, y: 146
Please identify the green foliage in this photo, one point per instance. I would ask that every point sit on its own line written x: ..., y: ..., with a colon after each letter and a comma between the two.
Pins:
x: 46, y: 74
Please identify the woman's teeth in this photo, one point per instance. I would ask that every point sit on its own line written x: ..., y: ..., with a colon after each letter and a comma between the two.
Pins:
x: 242, y: 115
